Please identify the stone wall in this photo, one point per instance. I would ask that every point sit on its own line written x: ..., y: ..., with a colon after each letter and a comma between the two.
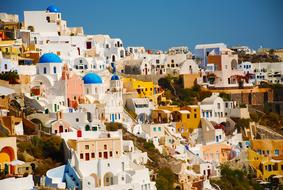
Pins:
x: 253, y: 98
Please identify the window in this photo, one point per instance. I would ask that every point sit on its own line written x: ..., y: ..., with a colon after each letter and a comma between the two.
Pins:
x: 188, y: 116
x: 92, y: 155
x: 269, y: 168
x: 110, y: 154
x: 86, y: 147
x: 100, y: 154
x: 54, y: 70
x: 157, y: 61
x: 48, y: 19
x: 82, y: 156
x: 154, y: 128
x: 276, y: 152
x: 88, y: 45
x: 117, y: 152
x: 159, y: 128
x: 218, y: 105
x: 77, y: 120
x: 44, y: 70
x: 6, y: 67
x: 195, y: 115
x: 105, y: 147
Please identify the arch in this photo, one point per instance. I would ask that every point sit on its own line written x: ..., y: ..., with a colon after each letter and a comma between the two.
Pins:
x: 37, y: 121
x: 176, y: 116
x: 113, y: 58
x: 270, y: 178
x: 61, y: 129
x: 31, y: 28
x: 108, y: 179
x: 32, y: 128
x: 96, y: 180
x: 10, y: 151
x: 42, y: 80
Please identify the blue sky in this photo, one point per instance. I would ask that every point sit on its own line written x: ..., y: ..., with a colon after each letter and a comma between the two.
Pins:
x: 160, y: 24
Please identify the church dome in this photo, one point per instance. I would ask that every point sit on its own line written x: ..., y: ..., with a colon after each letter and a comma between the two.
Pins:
x: 52, y: 9
x: 92, y: 78
x: 115, y: 77
x: 50, y: 58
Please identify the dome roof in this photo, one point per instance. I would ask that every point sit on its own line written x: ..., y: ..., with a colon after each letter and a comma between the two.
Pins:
x: 92, y: 78
x: 115, y: 77
x: 50, y: 58
x: 52, y: 9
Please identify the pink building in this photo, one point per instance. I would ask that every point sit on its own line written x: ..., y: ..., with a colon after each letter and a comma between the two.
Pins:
x: 74, y: 87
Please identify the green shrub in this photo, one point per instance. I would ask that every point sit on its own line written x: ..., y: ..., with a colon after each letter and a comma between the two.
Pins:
x: 165, y: 179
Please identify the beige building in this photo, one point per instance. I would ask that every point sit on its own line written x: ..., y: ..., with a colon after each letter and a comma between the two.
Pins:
x: 103, y: 147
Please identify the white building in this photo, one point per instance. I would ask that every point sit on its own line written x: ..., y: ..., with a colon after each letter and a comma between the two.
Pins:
x: 96, y: 160
x: 142, y: 108
x: 269, y: 72
x: 212, y: 108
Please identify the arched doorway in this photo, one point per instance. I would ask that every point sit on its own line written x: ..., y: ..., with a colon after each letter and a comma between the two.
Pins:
x: 61, y: 129
x: 108, y: 179
x: 10, y: 151
x: 96, y: 180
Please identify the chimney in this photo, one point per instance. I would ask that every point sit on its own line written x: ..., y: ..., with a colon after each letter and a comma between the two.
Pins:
x: 79, y: 133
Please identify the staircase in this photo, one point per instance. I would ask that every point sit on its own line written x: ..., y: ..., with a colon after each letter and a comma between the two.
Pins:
x: 129, y: 121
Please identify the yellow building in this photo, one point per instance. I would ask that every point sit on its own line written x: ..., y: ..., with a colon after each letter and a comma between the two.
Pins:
x: 266, y: 158
x: 11, y: 48
x: 189, y: 80
x: 144, y: 89
x: 185, y: 118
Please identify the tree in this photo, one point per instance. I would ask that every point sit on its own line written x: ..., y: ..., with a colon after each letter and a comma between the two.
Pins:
x: 11, y: 76
x: 235, y: 179
x: 242, y: 123
x: 165, y: 179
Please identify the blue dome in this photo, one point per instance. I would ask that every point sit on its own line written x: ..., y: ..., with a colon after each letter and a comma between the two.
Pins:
x: 52, y: 9
x: 115, y: 77
x: 50, y: 58
x: 92, y: 78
